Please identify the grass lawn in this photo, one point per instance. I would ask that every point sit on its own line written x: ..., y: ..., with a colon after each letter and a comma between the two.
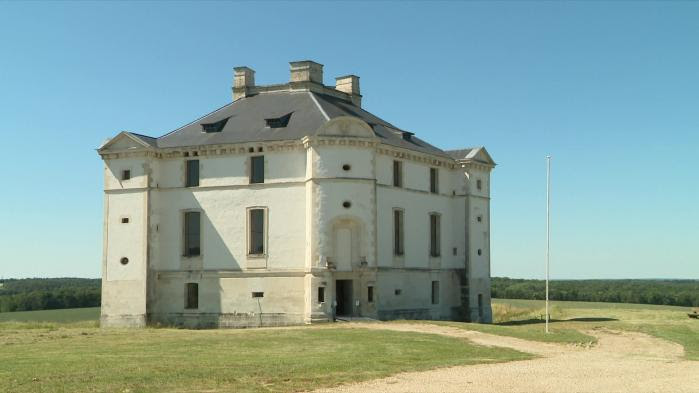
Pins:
x: 72, y: 358
x: 64, y: 315
x: 523, y: 319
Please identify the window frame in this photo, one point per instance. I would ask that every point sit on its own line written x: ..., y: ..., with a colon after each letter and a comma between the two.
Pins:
x: 189, y: 182
x: 398, y: 173
x: 190, y: 304
x: 435, y: 292
x: 434, y: 180
x: 265, y: 231
x: 435, y: 243
x: 398, y: 232
x: 185, y: 238
x: 253, y: 179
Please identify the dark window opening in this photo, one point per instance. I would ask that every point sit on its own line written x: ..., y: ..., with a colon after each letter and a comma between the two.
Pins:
x: 397, y: 174
x: 321, y: 294
x: 454, y: 250
x: 192, y: 234
x: 192, y: 173
x: 479, y: 184
x: 407, y: 136
x: 257, y: 169
x: 124, y: 260
x: 370, y: 294
x: 397, y: 292
x: 434, y: 235
x: 435, y: 292
x: 192, y: 301
x: 125, y: 220
x: 186, y: 154
x: 398, y: 239
x: 346, y: 167
x: 480, y: 251
x: 480, y: 305
x: 257, y: 232
x: 195, y: 154
x: 278, y: 122
x: 251, y: 150
x: 346, y: 204
x: 214, y: 127
x: 434, y: 180
x: 258, y: 294
x: 126, y: 174
x: 479, y: 218
x: 260, y: 149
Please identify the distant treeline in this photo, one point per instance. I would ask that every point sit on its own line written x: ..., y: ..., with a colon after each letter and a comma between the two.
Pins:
x: 663, y: 292
x: 48, y: 293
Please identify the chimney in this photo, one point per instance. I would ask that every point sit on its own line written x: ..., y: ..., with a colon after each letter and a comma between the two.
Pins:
x: 306, y: 71
x: 349, y: 84
x: 243, y: 80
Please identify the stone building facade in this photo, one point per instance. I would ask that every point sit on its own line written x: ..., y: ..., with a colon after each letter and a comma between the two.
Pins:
x: 288, y: 205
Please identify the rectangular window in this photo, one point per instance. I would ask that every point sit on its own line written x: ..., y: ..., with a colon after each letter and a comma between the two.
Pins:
x: 192, y: 234
x: 479, y: 184
x: 397, y: 174
x: 192, y: 173
x: 434, y: 235
x: 398, y: 232
x: 435, y: 292
x: 192, y: 301
x: 321, y: 294
x: 258, y: 294
x: 257, y: 232
x: 257, y: 169
x: 434, y: 180
x: 480, y: 305
x: 126, y: 174
x: 370, y: 294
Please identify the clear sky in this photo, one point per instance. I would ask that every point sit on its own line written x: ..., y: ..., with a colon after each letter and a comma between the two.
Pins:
x: 610, y: 90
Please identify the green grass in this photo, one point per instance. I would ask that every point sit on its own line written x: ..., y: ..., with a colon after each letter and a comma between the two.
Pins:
x: 64, y: 315
x: 71, y: 358
x: 524, y: 319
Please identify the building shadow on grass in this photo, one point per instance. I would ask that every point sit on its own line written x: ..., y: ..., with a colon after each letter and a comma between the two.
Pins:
x: 539, y: 321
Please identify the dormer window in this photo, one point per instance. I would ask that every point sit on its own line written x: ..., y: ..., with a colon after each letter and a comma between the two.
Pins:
x: 278, y: 122
x: 408, y: 136
x: 214, y: 127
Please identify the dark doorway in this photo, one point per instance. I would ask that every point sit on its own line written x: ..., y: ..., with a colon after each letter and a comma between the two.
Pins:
x: 343, y: 295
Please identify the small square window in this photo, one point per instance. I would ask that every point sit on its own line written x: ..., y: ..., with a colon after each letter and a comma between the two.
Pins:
x: 126, y: 174
x: 124, y: 220
x: 258, y: 294
x: 479, y: 218
x: 397, y: 292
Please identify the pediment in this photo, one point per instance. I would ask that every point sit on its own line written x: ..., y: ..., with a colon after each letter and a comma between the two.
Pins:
x: 123, y: 142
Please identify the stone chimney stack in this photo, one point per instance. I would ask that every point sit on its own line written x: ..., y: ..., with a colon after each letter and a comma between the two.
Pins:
x: 306, y: 71
x: 243, y: 81
x: 349, y: 84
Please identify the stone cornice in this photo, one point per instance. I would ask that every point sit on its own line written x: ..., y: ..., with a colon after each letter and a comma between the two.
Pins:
x: 423, y: 158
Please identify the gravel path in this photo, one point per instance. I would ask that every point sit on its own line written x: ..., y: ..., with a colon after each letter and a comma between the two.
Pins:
x: 620, y: 362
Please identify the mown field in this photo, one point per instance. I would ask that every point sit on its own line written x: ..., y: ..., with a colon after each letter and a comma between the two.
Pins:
x: 570, y: 320
x: 65, y: 351
x: 79, y: 357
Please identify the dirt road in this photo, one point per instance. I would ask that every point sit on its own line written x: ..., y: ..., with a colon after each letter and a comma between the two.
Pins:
x: 620, y: 362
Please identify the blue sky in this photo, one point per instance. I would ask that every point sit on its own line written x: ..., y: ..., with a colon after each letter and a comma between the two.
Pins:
x: 610, y: 90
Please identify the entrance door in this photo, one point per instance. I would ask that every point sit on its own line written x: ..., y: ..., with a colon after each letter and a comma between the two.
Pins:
x: 343, y: 295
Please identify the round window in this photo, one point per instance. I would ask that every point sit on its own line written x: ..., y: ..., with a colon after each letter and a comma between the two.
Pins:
x: 346, y: 167
x: 124, y: 260
x: 346, y: 204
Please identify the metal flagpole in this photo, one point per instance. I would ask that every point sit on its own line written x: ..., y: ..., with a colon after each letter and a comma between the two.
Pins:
x: 548, y: 233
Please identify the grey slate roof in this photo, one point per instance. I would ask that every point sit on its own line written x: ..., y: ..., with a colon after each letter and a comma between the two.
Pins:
x: 246, y: 122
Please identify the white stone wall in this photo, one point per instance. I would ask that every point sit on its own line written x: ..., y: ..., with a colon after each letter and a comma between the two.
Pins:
x: 307, y: 227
